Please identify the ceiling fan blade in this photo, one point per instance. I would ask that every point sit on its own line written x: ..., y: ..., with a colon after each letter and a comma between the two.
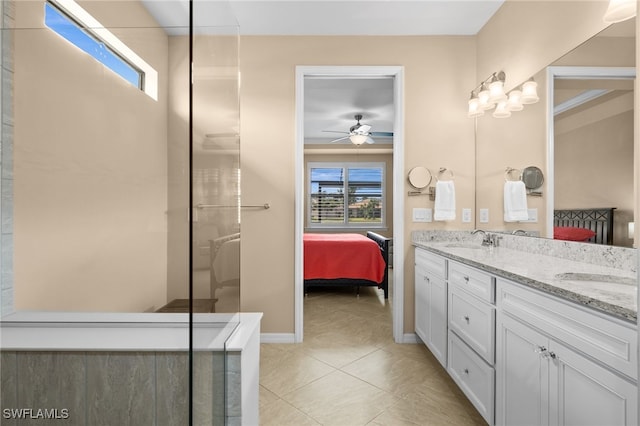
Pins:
x: 335, y: 131
x: 382, y: 134
x: 369, y: 140
x: 339, y: 139
x: 363, y: 129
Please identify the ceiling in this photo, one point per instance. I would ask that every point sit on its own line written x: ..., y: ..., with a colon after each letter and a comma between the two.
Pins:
x: 329, y: 17
x: 330, y: 104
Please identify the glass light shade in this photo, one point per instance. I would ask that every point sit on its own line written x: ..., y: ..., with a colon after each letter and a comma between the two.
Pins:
x: 501, y: 110
x: 483, y: 98
x: 496, y: 91
x: 620, y: 10
x: 514, y: 103
x: 358, y: 139
x: 474, y: 108
x: 529, y: 92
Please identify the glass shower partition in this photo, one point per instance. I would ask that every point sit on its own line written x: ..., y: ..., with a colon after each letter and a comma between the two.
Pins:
x: 120, y: 212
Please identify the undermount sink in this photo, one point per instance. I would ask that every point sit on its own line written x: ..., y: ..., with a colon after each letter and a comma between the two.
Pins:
x: 596, y: 278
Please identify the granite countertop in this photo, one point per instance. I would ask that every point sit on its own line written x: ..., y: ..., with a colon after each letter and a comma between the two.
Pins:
x: 606, y: 289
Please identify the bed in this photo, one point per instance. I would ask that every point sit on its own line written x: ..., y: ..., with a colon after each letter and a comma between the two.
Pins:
x: 346, y: 260
x: 588, y: 225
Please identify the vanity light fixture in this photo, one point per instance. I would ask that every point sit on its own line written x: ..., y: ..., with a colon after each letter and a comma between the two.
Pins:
x: 620, y: 10
x: 496, y: 88
x: 529, y: 92
x: 502, y: 110
x: 490, y: 94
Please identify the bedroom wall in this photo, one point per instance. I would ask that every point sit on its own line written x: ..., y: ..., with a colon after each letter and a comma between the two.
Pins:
x: 89, y: 196
x: 438, y: 74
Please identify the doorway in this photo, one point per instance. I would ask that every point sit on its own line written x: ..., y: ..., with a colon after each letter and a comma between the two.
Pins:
x: 354, y: 72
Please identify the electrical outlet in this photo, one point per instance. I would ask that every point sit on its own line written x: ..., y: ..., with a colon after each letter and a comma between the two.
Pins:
x: 466, y: 215
x: 484, y: 215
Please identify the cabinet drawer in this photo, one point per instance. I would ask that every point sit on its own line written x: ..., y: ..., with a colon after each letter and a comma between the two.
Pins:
x: 472, y: 280
x: 473, y: 321
x: 431, y: 263
x: 475, y: 377
x: 606, y: 339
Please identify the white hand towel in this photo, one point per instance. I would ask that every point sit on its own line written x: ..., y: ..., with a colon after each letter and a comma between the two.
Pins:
x: 515, y: 201
x: 445, y: 204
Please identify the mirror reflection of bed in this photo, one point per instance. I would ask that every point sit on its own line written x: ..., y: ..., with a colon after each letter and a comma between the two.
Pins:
x: 584, y: 225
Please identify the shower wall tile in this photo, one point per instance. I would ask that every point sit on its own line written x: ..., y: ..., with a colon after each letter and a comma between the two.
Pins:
x: 172, y: 371
x: 6, y: 261
x: 204, y: 387
x: 234, y: 386
x: 8, y: 22
x: 7, y: 97
x: 6, y: 202
x: 51, y: 381
x: 7, y: 152
x: 6, y: 301
x: 121, y: 389
x: 8, y: 385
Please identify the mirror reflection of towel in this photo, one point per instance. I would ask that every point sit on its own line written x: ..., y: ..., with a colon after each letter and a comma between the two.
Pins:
x: 445, y: 204
x: 515, y: 201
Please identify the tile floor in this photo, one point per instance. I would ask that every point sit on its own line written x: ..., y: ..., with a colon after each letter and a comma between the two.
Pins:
x: 349, y: 372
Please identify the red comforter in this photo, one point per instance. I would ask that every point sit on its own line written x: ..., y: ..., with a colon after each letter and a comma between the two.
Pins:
x: 331, y: 256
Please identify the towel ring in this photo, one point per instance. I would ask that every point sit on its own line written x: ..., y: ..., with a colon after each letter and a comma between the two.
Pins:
x: 508, y: 176
x: 442, y: 171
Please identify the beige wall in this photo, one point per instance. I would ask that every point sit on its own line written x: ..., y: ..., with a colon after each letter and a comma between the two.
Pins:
x: 523, y: 37
x: 594, y: 168
x: 90, y: 169
x: 438, y: 74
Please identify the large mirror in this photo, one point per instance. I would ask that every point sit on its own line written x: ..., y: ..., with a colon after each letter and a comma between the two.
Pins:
x: 583, y: 144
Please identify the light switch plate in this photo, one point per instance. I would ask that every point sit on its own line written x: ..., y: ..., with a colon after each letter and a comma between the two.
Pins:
x: 484, y: 215
x: 466, y: 215
x: 419, y: 214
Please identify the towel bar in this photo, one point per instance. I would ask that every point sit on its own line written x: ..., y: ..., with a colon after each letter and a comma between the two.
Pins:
x: 221, y: 206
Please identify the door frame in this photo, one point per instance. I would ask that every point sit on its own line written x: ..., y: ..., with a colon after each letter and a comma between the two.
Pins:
x: 397, y: 73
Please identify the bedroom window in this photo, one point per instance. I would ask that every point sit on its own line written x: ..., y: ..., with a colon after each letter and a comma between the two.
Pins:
x: 346, y: 195
x: 70, y: 21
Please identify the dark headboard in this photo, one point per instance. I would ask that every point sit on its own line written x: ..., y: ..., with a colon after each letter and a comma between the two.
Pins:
x: 599, y: 221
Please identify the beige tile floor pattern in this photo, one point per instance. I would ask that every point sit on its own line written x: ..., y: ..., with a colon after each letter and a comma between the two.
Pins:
x: 349, y: 372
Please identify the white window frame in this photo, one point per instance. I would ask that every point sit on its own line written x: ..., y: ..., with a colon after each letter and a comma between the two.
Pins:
x: 346, y: 225
x: 86, y: 20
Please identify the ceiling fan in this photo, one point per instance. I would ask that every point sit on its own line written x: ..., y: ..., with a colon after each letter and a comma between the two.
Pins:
x: 359, y: 133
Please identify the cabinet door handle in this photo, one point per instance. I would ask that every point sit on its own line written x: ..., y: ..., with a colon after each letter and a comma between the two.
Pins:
x: 466, y: 318
x: 466, y: 279
x: 541, y: 350
x: 553, y: 355
x: 466, y: 371
x: 426, y: 279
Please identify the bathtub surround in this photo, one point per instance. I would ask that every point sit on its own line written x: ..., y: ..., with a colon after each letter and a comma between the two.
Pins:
x: 143, y: 357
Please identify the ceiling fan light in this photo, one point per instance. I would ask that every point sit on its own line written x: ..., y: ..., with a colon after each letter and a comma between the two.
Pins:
x: 620, y: 10
x: 529, y: 92
x: 358, y: 139
x: 502, y: 111
x: 514, y: 103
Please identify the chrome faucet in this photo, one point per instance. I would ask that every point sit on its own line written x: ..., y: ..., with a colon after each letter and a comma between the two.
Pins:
x: 486, y: 238
x: 519, y: 232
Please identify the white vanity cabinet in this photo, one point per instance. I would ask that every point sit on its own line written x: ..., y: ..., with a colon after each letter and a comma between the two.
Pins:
x: 471, y: 320
x: 431, y: 302
x: 558, y: 363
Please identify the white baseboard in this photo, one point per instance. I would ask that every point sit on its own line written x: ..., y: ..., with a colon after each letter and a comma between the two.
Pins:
x: 410, y: 338
x: 277, y: 338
